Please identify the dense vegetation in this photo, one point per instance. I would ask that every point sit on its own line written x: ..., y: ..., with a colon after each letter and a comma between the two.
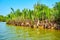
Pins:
x: 2, y: 18
x: 41, y: 15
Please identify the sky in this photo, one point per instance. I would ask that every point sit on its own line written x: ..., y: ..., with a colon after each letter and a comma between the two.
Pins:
x: 5, y: 5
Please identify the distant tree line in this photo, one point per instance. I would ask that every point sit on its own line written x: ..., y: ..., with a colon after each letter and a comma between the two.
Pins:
x: 2, y: 18
x: 40, y: 12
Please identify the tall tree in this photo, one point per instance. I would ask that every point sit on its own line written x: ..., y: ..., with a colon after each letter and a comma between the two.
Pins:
x: 57, y: 11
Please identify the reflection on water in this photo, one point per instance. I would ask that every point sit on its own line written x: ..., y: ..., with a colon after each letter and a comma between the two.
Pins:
x: 25, y: 33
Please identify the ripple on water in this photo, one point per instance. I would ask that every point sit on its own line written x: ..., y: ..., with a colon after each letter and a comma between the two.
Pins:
x: 23, y: 33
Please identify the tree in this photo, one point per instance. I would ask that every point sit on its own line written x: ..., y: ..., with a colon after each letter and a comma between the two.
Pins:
x: 2, y: 18
x: 24, y: 13
x: 42, y: 11
x: 57, y: 11
x: 12, y: 9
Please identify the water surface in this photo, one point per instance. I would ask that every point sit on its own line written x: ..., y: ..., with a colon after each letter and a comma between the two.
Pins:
x: 25, y: 33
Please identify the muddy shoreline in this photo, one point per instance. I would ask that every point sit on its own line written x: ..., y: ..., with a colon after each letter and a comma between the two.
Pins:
x: 45, y: 24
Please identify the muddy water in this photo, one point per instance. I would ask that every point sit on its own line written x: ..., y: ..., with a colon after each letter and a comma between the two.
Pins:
x: 25, y: 33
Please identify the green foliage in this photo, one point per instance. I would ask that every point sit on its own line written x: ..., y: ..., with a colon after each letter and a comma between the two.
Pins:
x: 2, y: 18
x: 40, y: 12
x: 57, y: 11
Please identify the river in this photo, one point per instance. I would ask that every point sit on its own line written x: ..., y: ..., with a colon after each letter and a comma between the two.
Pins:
x: 25, y: 33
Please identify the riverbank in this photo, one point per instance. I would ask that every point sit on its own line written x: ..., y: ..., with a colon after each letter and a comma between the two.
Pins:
x: 44, y: 24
